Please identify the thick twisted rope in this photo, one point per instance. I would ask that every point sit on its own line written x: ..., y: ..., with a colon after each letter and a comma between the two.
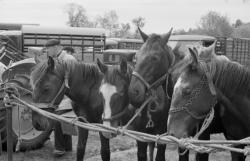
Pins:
x: 189, y: 143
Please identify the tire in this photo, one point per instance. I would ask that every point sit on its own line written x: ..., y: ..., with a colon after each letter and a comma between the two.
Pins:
x: 33, y: 139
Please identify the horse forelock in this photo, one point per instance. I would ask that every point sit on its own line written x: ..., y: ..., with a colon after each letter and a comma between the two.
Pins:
x: 114, y: 74
x: 41, y: 69
x: 155, y: 43
x: 37, y: 73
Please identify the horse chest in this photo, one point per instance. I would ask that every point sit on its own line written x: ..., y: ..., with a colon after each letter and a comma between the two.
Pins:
x: 236, y: 118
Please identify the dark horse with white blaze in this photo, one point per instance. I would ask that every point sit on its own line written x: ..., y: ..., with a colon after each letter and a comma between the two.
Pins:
x: 155, y: 61
x: 80, y: 82
x: 117, y: 110
x: 206, y: 78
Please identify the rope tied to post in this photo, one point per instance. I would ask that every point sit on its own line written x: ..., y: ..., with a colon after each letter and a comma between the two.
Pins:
x: 11, y: 91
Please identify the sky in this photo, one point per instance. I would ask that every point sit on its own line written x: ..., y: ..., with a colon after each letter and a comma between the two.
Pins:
x: 160, y: 15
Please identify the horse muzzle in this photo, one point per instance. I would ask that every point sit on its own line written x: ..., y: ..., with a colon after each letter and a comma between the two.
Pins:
x: 108, y: 135
x: 137, y: 93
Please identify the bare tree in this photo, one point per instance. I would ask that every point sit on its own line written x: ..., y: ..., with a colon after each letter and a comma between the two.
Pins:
x: 138, y: 22
x: 216, y: 25
x: 124, y: 30
x: 109, y: 21
x: 77, y: 16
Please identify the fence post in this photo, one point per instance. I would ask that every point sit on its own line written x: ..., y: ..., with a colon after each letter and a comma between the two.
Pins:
x: 9, y: 134
x: 8, y: 106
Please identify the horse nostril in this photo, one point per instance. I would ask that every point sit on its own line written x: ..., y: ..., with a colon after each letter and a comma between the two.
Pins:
x: 153, y: 106
x: 136, y: 92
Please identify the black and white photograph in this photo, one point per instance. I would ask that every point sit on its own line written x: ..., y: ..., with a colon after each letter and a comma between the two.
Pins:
x: 124, y: 80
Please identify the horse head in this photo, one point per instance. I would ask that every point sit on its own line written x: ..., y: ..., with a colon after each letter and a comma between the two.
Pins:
x: 194, y: 93
x: 114, y: 89
x: 153, y: 61
x: 46, y: 81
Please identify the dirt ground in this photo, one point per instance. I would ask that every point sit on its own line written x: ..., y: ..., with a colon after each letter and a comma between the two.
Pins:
x: 122, y: 149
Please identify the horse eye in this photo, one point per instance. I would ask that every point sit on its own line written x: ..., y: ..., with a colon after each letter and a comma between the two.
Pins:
x: 186, y: 91
x: 120, y: 94
x: 155, y: 58
x: 46, y: 89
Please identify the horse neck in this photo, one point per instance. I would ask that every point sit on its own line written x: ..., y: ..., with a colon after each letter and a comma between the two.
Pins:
x: 85, y: 75
x: 231, y: 78
x: 235, y: 102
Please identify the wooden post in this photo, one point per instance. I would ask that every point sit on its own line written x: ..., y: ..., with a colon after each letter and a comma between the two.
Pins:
x: 1, y: 144
x: 9, y: 134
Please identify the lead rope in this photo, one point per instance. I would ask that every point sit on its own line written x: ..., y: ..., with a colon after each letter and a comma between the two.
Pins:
x: 138, y: 112
x: 150, y: 123
x: 209, y: 118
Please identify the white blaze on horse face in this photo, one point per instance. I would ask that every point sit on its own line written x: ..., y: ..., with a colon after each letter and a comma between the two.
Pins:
x: 180, y: 84
x: 177, y: 84
x: 107, y: 91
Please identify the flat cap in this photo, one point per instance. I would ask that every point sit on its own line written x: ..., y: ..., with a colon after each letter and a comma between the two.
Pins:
x: 52, y: 42
x: 68, y: 49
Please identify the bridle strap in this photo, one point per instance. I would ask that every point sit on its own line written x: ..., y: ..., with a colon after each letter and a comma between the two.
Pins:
x: 175, y: 110
x: 209, y: 77
x: 153, y: 85
x: 137, y: 75
x: 64, y: 87
x: 195, y: 93
x: 117, y: 116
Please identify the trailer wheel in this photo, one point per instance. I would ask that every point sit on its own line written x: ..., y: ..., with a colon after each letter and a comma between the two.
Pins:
x: 22, y: 124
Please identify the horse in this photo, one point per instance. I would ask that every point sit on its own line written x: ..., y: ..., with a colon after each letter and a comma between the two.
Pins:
x: 51, y: 79
x: 118, y: 111
x: 156, y: 60
x: 204, y: 81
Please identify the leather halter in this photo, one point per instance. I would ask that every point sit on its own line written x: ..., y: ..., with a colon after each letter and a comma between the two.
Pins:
x: 206, y: 79
x: 117, y: 116
x: 63, y: 89
x: 195, y: 93
x: 155, y: 84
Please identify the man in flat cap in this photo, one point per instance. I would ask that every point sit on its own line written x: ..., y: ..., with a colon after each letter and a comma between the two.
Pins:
x: 57, y: 51
x: 63, y: 142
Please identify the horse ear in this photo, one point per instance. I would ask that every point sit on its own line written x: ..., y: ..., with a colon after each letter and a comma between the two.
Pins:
x: 103, y: 67
x: 51, y: 63
x: 123, y: 66
x: 211, y: 48
x: 143, y: 35
x: 166, y: 36
x: 37, y: 59
x: 194, y: 56
x: 208, y: 53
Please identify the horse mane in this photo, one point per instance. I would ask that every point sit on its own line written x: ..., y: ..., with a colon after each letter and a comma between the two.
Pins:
x: 230, y: 77
x: 79, y: 70
x: 37, y: 72
x: 114, y: 71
